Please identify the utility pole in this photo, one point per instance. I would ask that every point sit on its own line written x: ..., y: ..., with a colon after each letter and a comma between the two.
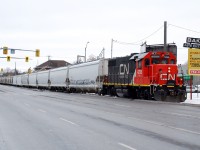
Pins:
x: 165, y: 36
x: 49, y: 57
x: 15, y: 69
x: 85, y: 50
x: 111, y: 46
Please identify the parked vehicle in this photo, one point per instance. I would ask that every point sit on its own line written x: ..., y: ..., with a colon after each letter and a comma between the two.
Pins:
x: 191, y: 89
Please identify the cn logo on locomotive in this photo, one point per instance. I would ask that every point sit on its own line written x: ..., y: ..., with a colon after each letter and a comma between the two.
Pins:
x: 165, y: 75
x: 123, y: 69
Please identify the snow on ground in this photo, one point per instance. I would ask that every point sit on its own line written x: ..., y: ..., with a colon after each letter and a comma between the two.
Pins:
x: 195, y: 98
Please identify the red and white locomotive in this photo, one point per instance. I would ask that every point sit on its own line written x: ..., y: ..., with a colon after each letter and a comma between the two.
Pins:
x: 146, y: 75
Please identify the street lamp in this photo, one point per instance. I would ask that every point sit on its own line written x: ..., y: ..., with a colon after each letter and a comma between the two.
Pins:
x: 85, y: 50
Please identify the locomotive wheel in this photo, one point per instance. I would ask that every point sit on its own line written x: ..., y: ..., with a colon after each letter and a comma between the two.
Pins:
x: 160, y: 95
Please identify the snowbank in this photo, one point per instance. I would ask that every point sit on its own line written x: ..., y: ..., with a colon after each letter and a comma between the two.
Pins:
x: 195, y: 98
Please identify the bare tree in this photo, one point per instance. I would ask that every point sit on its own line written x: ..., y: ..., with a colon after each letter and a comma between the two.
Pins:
x: 92, y: 58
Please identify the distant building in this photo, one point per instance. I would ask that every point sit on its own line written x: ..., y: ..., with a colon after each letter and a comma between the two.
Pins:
x: 51, y: 64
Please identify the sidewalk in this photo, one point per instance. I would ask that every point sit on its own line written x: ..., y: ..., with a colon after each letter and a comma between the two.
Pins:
x: 195, y: 98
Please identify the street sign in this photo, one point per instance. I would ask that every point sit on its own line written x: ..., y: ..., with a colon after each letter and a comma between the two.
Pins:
x: 192, y: 42
x: 186, y: 77
x: 193, y: 61
x: 191, y: 45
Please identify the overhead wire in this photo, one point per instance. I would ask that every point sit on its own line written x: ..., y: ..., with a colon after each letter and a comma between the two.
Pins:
x: 138, y: 42
x: 184, y: 28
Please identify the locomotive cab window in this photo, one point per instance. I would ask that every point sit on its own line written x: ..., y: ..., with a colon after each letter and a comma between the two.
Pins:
x: 147, y: 62
x: 155, y: 61
x: 164, y: 61
x: 172, y: 61
x: 139, y: 64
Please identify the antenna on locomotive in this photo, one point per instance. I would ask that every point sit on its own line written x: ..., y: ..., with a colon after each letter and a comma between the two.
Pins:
x: 165, y: 36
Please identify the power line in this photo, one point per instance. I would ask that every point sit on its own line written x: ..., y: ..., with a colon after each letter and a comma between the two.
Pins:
x: 138, y: 42
x: 184, y: 28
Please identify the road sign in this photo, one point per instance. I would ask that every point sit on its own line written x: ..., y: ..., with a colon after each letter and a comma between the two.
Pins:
x: 191, y: 45
x: 192, y: 42
x: 193, y: 61
x: 186, y: 77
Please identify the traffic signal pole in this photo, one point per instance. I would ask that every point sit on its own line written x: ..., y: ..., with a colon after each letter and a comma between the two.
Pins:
x: 5, y: 50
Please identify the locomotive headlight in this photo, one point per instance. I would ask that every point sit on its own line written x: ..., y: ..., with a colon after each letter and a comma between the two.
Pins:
x: 169, y: 69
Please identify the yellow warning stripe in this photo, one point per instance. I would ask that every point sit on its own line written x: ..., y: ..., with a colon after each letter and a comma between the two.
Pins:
x: 143, y: 85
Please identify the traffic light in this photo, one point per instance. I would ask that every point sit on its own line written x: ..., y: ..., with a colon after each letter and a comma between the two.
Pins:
x: 8, y: 58
x: 5, y: 50
x: 1, y: 69
x: 26, y: 59
x: 37, y: 53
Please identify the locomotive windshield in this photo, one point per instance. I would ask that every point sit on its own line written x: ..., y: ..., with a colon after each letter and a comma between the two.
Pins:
x: 160, y: 61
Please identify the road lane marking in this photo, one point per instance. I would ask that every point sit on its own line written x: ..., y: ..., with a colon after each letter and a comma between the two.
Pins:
x: 126, y: 146
x: 43, y: 111
x: 185, y: 130
x: 184, y: 115
x: 165, y: 125
x: 122, y: 105
x: 26, y: 104
x: 68, y: 121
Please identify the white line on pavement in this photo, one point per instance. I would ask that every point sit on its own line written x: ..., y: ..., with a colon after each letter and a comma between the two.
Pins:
x: 122, y: 105
x: 26, y: 104
x: 43, y: 111
x: 184, y: 115
x: 165, y: 125
x: 126, y: 146
x: 68, y: 121
x: 185, y: 130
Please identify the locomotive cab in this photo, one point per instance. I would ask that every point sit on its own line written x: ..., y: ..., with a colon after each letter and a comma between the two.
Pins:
x: 159, y: 71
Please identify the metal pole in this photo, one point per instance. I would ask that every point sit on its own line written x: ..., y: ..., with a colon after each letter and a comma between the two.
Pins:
x: 15, y: 68
x: 85, y: 50
x: 165, y: 36
x: 111, y: 47
x: 191, y: 80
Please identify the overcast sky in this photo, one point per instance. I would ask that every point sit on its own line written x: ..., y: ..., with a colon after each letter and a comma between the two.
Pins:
x: 61, y: 28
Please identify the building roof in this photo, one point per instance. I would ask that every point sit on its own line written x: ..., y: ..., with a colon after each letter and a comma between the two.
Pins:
x: 50, y: 64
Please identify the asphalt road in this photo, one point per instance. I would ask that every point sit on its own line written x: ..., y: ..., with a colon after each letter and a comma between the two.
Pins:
x: 42, y: 120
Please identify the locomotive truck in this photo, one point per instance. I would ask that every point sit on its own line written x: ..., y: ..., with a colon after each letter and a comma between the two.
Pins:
x: 151, y: 74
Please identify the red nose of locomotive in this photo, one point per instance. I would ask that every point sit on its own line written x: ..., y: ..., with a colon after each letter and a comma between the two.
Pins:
x: 166, y: 74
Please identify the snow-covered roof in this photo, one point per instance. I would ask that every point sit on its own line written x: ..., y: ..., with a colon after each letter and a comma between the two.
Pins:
x: 138, y: 57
